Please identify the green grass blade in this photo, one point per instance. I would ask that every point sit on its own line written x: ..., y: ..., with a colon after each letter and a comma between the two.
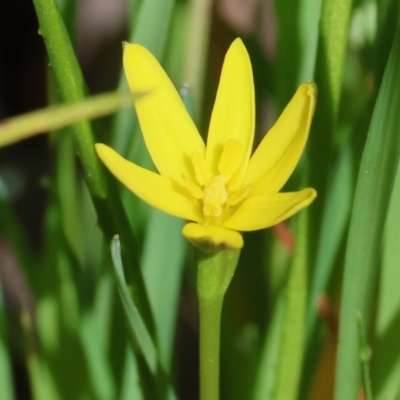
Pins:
x: 365, y: 357
x: 374, y: 186
x: 98, y: 367
x: 266, y: 372
x: 111, y: 214
x: 71, y: 85
x: 332, y: 44
x: 138, y: 329
x: 42, y: 383
x: 335, y: 17
x: 6, y: 381
x: 162, y: 264
x: 293, y: 333
x: 387, y: 362
x: 22, y: 127
x: 333, y: 227
x: 136, y: 323
x: 130, y: 386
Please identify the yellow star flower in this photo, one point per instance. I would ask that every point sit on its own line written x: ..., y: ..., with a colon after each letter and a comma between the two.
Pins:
x: 219, y: 186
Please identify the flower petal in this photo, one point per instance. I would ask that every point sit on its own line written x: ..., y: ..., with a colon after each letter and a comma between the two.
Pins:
x: 263, y: 211
x: 210, y: 238
x: 233, y: 113
x: 279, y: 152
x: 169, y: 132
x: 159, y: 191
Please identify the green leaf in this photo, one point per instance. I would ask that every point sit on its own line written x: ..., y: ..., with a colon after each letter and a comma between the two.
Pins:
x: 293, y: 332
x: 374, y: 187
x: 136, y: 323
x: 334, y: 222
x: 6, y: 381
x: 266, y: 373
x: 162, y: 264
x: 387, y: 361
x: 27, y: 125
x: 138, y: 328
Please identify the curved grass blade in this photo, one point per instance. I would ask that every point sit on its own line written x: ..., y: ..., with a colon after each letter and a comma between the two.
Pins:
x: 138, y: 328
x: 373, y: 192
x: 136, y: 323
x: 386, y: 370
x: 22, y: 127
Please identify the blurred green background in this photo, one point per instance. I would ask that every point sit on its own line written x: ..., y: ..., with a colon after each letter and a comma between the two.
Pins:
x: 75, y: 324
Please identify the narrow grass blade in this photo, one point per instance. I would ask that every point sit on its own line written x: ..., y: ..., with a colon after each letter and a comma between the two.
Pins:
x: 266, y: 372
x: 365, y: 357
x: 333, y: 227
x: 130, y: 386
x: 112, y: 217
x: 162, y: 263
x: 6, y: 381
x: 139, y: 331
x: 293, y: 333
x: 386, y: 370
x: 135, y: 320
x: 22, y: 127
x: 374, y: 186
x: 332, y: 44
x: 98, y: 368
x: 41, y: 380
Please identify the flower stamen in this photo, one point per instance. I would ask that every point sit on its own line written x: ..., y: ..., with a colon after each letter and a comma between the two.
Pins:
x: 215, y: 197
x: 193, y: 189
x: 200, y: 168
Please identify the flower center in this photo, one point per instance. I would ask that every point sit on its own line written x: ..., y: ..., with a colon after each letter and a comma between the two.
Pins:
x: 220, y: 192
x: 215, y: 197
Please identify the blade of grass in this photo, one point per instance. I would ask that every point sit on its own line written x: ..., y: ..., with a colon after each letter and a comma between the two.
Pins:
x: 293, y: 333
x: 135, y: 320
x: 365, y: 357
x: 162, y: 270
x: 197, y: 38
x: 374, y: 186
x: 332, y: 44
x: 138, y: 328
x: 6, y: 381
x: 309, y: 15
x: 130, y: 386
x: 112, y: 216
x: 266, y: 373
x: 42, y: 383
x: 387, y: 362
x: 99, y: 370
x: 333, y: 227
x: 27, y: 125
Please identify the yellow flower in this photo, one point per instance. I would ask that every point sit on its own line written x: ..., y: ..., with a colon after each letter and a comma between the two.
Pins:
x: 218, y: 186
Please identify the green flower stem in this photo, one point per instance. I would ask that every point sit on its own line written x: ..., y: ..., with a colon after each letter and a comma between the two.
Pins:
x: 214, y: 274
x: 210, y: 324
